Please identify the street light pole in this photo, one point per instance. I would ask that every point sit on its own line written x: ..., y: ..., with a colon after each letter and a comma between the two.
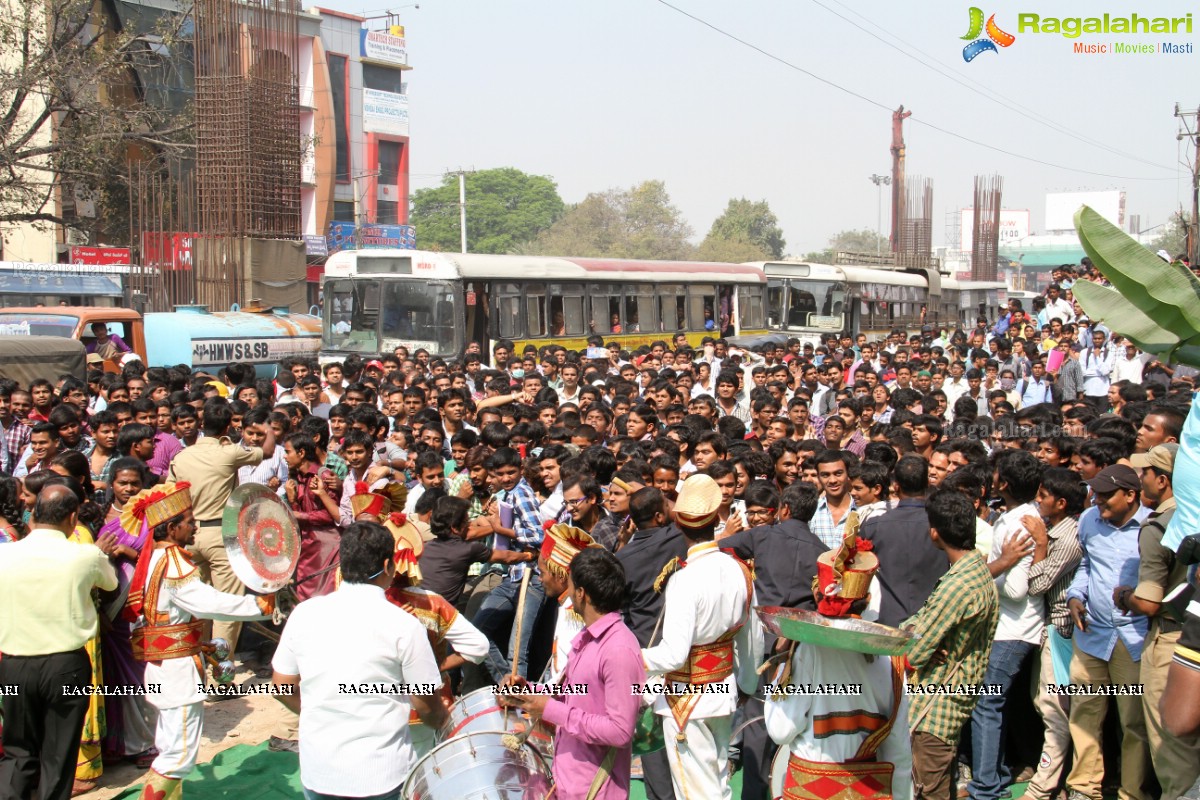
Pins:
x: 880, y: 181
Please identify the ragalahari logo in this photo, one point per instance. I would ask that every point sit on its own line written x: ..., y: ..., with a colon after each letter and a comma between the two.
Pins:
x: 995, y: 36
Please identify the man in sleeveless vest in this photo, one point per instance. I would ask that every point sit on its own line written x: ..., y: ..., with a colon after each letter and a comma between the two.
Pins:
x: 840, y: 715
x: 709, y: 636
x: 169, y: 601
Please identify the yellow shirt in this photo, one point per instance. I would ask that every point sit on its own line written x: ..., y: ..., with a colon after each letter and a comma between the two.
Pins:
x: 210, y: 466
x: 46, y: 584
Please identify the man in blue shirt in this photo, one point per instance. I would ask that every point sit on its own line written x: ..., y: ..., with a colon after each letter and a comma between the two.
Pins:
x: 1107, y: 641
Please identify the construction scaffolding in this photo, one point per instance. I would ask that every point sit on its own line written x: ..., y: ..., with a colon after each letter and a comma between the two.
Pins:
x: 248, y: 143
x: 985, y: 229
x: 916, y: 223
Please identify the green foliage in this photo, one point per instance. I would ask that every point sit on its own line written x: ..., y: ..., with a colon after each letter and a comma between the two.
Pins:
x: 505, y: 206
x: 639, y: 223
x: 1154, y: 304
x: 1173, y: 236
x: 746, y: 231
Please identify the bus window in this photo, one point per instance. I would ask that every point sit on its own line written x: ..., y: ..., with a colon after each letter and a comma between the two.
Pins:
x: 672, y: 308
x: 566, y: 309
x: 508, y: 309
x: 606, y: 308
x: 640, y: 311
x: 750, y: 311
x: 775, y: 291
x: 535, y: 308
x: 702, y: 307
x: 355, y: 313
x: 801, y: 303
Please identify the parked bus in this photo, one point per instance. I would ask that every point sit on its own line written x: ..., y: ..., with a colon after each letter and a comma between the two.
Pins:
x: 377, y: 300
x: 806, y: 300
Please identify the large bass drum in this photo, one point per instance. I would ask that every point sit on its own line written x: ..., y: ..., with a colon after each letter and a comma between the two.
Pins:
x: 477, y: 766
x: 479, y: 711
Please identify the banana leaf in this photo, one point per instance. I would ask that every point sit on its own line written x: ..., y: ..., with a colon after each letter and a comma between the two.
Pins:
x: 1169, y: 293
x: 1121, y: 316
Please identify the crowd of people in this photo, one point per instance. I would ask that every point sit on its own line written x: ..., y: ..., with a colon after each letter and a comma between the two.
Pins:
x: 610, y: 518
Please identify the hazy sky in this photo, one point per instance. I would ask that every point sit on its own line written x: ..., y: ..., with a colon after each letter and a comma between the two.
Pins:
x: 608, y: 94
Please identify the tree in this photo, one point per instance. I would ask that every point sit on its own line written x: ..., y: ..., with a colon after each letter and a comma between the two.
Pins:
x: 745, y: 231
x: 1173, y: 236
x: 638, y: 223
x: 504, y: 206
x: 74, y: 112
x: 851, y: 241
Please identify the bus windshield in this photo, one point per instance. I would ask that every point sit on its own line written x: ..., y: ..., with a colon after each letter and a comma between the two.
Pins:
x: 801, y: 303
x: 374, y: 315
x: 26, y: 324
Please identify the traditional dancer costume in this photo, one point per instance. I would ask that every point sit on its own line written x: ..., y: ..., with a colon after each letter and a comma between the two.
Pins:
x: 169, y: 601
x: 834, y: 711
x: 562, y: 543
x: 444, y: 626
x: 709, y: 635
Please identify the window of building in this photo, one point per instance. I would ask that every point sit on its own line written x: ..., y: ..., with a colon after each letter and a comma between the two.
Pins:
x: 341, y: 118
x: 389, y: 162
x: 384, y: 79
x: 387, y: 212
x: 343, y: 210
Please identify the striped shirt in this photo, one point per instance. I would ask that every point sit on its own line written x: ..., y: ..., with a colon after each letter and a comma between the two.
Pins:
x: 1052, y: 576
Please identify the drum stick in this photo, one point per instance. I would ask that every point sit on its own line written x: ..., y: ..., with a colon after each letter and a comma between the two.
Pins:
x: 520, y: 619
x: 265, y: 631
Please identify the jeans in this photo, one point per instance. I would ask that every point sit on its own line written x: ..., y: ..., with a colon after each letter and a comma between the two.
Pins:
x: 497, y: 620
x: 990, y: 778
x: 309, y: 794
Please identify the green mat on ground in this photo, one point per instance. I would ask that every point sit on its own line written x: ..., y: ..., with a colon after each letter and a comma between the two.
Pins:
x: 246, y: 772
x: 242, y: 772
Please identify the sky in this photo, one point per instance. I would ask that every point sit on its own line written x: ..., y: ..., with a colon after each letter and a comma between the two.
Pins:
x: 607, y: 94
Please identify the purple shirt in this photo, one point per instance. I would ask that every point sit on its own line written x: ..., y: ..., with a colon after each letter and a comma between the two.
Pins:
x: 606, y: 657
x: 166, y: 447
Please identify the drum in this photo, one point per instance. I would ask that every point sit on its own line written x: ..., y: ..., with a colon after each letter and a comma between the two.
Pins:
x: 477, y: 766
x: 479, y: 711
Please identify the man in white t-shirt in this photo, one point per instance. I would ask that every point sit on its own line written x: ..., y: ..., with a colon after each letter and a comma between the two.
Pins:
x: 364, y: 663
x: 1017, y: 477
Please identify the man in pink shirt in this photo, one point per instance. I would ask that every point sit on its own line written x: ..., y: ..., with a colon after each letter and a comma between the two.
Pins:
x: 596, y: 720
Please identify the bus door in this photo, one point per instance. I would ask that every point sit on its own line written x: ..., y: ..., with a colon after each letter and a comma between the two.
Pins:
x: 475, y: 301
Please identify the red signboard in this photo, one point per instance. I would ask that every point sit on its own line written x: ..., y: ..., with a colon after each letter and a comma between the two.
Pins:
x: 100, y: 256
x: 167, y: 250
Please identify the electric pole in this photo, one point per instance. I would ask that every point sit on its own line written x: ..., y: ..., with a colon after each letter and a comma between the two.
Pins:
x: 1192, y: 132
x: 462, y: 204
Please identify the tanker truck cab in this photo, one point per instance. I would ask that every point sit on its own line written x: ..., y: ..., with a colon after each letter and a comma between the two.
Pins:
x: 110, y: 333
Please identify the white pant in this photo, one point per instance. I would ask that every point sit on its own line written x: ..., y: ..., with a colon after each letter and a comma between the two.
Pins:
x: 700, y: 765
x: 177, y: 738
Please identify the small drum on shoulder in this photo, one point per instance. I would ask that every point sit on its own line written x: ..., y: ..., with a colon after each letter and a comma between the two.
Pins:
x: 478, y: 766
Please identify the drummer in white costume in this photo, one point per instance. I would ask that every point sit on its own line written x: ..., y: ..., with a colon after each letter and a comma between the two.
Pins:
x: 170, y: 602
x: 709, y: 635
x: 852, y: 743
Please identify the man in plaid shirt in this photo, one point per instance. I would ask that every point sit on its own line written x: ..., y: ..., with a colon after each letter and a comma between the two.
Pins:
x: 16, y: 431
x: 496, y: 617
x: 948, y: 660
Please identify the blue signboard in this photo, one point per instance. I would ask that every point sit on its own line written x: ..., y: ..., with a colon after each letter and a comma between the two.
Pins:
x: 348, y: 236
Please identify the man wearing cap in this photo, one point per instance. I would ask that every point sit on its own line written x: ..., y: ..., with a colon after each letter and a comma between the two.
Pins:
x: 842, y: 740
x: 1176, y: 758
x: 1107, y: 640
x: 708, y: 634
x: 562, y: 543
x: 169, y: 603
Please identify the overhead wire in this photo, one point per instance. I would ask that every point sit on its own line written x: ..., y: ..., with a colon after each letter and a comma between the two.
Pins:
x: 983, y: 91
x: 914, y: 118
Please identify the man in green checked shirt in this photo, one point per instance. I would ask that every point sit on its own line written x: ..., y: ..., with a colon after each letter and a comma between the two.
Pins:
x: 955, y: 627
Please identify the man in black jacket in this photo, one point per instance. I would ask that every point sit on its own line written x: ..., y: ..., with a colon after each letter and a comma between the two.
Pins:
x: 653, y: 545
x: 785, y: 559
x: 901, y: 540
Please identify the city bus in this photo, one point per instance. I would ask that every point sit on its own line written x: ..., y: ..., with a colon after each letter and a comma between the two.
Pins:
x: 805, y: 300
x: 379, y: 299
